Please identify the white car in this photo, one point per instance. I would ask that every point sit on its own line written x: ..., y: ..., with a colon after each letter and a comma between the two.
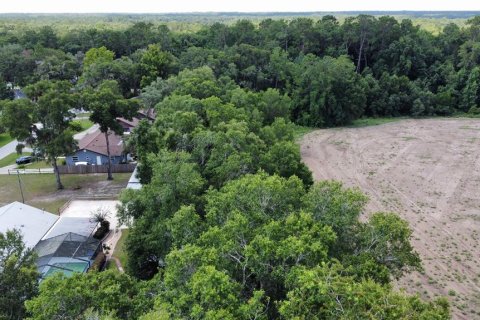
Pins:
x: 81, y: 163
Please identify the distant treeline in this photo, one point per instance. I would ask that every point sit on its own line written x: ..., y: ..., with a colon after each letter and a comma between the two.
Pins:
x: 333, y: 72
x: 433, y: 21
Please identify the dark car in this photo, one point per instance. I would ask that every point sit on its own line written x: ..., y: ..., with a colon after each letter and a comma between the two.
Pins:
x: 24, y: 159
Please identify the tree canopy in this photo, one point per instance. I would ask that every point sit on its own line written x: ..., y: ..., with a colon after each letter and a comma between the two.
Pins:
x: 229, y: 223
x: 18, y: 275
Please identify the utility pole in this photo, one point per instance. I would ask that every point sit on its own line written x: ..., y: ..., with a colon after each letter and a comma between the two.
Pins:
x: 20, y: 185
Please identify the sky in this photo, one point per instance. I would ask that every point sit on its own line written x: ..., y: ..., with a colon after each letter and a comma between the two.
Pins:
x: 169, y: 6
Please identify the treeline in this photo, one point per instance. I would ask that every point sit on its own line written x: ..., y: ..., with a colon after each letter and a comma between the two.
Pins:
x: 334, y: 73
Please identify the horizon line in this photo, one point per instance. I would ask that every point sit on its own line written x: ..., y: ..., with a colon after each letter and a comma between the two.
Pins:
x: 246, y: 12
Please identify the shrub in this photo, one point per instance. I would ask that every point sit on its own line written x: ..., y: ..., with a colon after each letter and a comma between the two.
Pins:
x: 102, y: 230
x: 98, y: 263
x: 474, y: 111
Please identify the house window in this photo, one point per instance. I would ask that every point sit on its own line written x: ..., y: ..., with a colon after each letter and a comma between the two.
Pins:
x: 112, y: 158
x: 88, y: 159
x: 75, y: 159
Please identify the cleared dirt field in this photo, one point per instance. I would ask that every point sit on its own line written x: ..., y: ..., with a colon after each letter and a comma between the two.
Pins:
x: 428, y: 171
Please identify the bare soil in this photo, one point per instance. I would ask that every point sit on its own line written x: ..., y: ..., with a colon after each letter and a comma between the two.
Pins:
x: 427, y: 171
x: 40, y: 189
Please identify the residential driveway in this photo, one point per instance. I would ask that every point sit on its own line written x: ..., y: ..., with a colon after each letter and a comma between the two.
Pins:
x: 10, y: 148
x: 86, y: 208
x: 82, y: 134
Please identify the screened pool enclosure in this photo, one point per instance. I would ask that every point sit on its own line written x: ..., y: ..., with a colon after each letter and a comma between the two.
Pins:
x: 66, y: 253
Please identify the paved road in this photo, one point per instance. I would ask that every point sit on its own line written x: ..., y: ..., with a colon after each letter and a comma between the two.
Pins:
x: 10, y: 148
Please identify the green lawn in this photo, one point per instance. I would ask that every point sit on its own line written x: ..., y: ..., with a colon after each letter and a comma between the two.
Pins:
x: 10, y: 159
x: 300, y: 131
x: 119, y: 252
x: 4, y: 139
x: 38, y: 164
x: 366, y: 122
x: 52, y: 206
x: 40, y: 189
x: 84, y: 124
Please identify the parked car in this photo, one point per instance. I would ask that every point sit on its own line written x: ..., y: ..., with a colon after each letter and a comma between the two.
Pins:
x: 81, y: 163
x: 24, y: 159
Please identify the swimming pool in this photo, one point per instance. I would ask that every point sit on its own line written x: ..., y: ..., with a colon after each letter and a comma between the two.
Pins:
x: 67, y: 268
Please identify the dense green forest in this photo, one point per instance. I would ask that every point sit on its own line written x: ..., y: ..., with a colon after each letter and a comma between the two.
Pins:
x: 229, y: 223
x: 433, y: 21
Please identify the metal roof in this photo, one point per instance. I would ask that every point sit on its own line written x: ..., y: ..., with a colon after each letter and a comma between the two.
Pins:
x: 80, y: 226
x: 134, y: 182
x: 33, y: 223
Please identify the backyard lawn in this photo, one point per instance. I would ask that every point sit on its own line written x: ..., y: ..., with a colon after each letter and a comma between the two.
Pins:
x: 119, y: 252
x: 84, y: 114
x: 4, y: 139
x: 40, y: 189
x: 84, y: 124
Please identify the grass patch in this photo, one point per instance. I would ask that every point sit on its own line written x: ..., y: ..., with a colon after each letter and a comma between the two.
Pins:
x: 367, y: 122
x: 4, y: 139
x: 40, y: 189
x: 119, y: 252
x: 465, y: 115
x: 84, y: 124
x: 300, y: 131
x: 10, y: 159
x: 111, y: 265
x: 469, y: 128
x: 52, y: 206
x: 42, y: 164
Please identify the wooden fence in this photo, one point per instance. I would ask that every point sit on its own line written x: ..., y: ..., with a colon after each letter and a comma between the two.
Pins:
x: 116, y: 168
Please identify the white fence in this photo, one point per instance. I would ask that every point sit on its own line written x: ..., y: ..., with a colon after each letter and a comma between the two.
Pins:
x: 30, y: 171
